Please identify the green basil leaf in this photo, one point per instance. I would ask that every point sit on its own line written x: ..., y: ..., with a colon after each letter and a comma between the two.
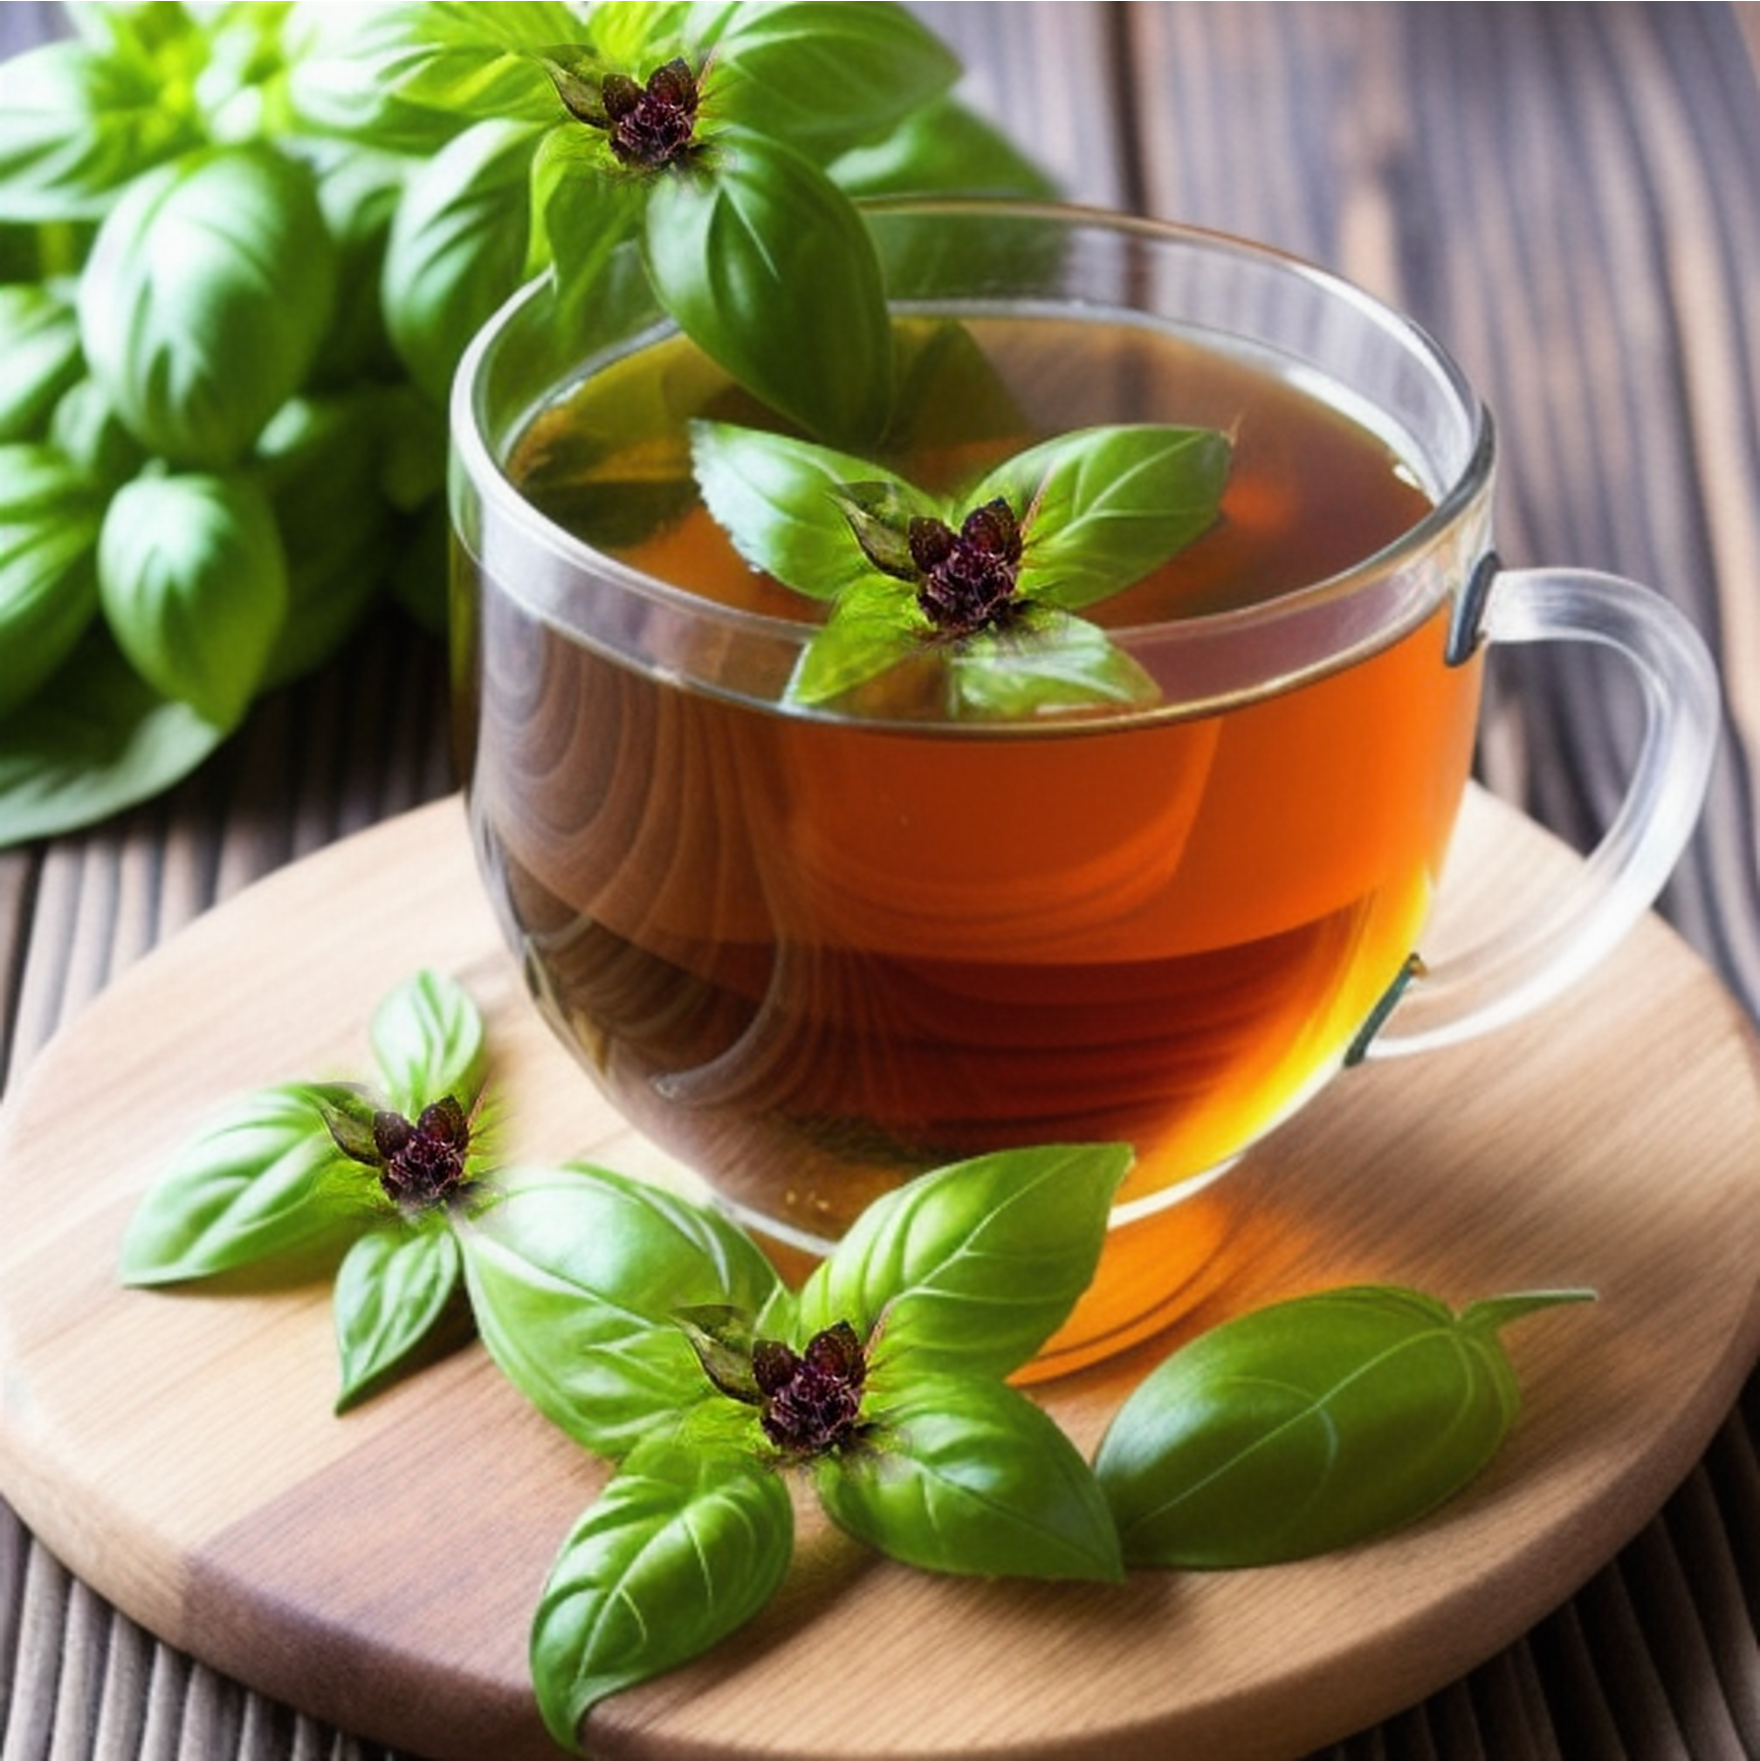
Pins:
x: 641, y: 38
x: 86, y: 430
x: 682, y: 1548
x: 972, y: 1267
x: 393, y: 1288
x: 941, y: 147
x: 77, y: 125
x: 260, y: 1181
x: 577, y: 1277
x: 49, y: 519
x: 319, y: 462
x: 822, y: 71
x: 970, y: 1477
x: 581, y: 213
x: 1309, y: 1425
x: 208, y: 292
x: 41, y: 358
x: 1055, y: 662
x: 100, y: 740
x: 873, y: 626
x: 405, y: 76
x: 768, y: 268
x: 1104, y: 506
x: 780, y: 500
x: 429, y: 1042
x: 193, y: 581
x: 457, y: 247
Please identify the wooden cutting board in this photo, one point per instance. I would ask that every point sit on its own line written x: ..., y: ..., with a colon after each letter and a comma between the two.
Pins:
x: 178, y: 1450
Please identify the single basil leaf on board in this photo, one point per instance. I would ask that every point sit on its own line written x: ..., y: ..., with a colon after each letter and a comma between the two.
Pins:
x: 393, y: 1288
x: 683, y: 1547
x: 577, y: 1277
x: 1055, y: 662
x: 97, y: 740
x: 768, y: 268
x: 209, y: 290
x: 965, y: 1476
x: 192, y: 576
x: 1107, y: 505
x: 1309, y: 1425
x: 261, y: 1181
x: 457, y: 247
x: 77, y: 125
x: 971, y: 1268
x: 824, y: 73
x: 429, y: 1042
x: 782, y: 503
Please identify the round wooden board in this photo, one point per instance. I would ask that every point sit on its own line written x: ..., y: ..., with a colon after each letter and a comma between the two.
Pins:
x: 179, y: 1452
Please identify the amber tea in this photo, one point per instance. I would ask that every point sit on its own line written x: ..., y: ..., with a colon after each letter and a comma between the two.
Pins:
x: 816, y: 953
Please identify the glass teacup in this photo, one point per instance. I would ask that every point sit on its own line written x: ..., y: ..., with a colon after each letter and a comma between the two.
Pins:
x: 813, y: 951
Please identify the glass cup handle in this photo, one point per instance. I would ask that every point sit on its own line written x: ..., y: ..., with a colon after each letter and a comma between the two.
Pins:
x: 1485, y: 988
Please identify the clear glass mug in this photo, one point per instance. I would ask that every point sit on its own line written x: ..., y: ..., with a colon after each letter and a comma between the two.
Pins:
x: 809, y: 953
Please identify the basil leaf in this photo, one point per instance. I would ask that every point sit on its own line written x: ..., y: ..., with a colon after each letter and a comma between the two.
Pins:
x: 682, y: 1548
x: 406, y: 76
x: 1107, y: 505
x: 1309, y: 1425
x: 262, y: 1180
x: 87, y: 431
x: 49, y: 520
x: 392, y: 1289
x: 873, y: 626
x: 457, y: 247
x: 972, y: 1267
x: 629, y: 38
x: 970, y: 1477
x: 1056, y: 662
x: 40, y: 361
x: 780, y: 501
x: 319, y: 462
x: 581, y: 213
x: 770, y: 271
x: 101, y: 740
x: 209, y: 289
x: 818, y: 72
x: 429, y: 1042
x: 577, y: 1277
x: 77, y: 125
x: 193, y: 580
x: 942, y: 146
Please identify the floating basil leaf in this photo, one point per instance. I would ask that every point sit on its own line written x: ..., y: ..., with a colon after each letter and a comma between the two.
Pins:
x: 1310, y: 1425
x: 1056, y: 662
x: 971, y: 1268
x: 768, y: 268
x: 961, y: 1475
x: 682, y: 1548
x: 576, y: 1279
x: 261, y: 1181
x: 392, y: 1289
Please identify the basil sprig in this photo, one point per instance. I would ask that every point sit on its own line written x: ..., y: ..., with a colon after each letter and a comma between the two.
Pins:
x: 1310, y: 1425
x: 882, y: 1380
x: 297, y: 1171
x: 986, y: 582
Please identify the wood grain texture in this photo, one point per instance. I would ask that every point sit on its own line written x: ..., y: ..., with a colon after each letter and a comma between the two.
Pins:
x: 177, y: 1449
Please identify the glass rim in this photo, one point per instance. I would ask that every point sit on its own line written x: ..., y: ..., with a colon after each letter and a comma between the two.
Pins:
x: 469, y: 439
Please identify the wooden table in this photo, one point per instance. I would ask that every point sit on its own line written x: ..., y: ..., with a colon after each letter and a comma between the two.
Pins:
x: 1569, y: 197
